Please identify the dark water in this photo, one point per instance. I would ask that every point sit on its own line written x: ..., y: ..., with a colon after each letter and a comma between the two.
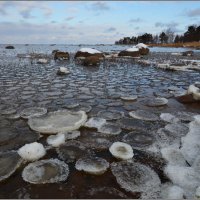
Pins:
x: 25, y: 84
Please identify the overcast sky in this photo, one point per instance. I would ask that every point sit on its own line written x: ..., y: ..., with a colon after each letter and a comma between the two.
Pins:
x: 91, y: 22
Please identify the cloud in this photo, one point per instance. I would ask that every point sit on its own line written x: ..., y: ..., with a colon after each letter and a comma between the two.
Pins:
x: 70, y: 18
x: 166, y: 25
x: 193, y: 13
x: 135, y: 20
x: 100, y: 6
x: 24, y: 8
x: 111, y: 29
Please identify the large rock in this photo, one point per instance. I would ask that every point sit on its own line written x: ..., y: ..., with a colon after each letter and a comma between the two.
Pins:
x: 59, y: 55
x: 143, y: 49
x: 92, y: 61
x: 86, y: 52
x: 192, y: 95
x: 188, y: 53
x: 131, y: 52
x: 9, y: 47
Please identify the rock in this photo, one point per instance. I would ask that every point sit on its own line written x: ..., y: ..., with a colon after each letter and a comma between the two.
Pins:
x: 192, y: 95
x: 63, y: 71
x: 9, y: 47
x: 92, y: 165
x: 32, y: 151
x: 91, y: 61
x: 59, y: 55
x: 121, y: 150
x: 131, y: 52
x: 188, y: 53
x: 143, y: 49
x: 58, y: 121
x: 86, y: 52
x: 54, y: 51
x: 46, y: 171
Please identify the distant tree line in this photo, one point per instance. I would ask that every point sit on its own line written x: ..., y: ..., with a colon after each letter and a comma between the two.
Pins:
x: 167, y: 36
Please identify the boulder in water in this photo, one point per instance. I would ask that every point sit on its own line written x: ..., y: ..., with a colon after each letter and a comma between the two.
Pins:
x: 86, y: 52
x: 63, y: 71
x: 131, y: 52
x: 59, y: 55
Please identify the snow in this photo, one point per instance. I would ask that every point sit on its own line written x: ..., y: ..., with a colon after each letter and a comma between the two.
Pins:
x: 64, y: 70
x: 121, y: 150
x: 32, y: 151
x: 132, y: 49
x: 190, y: 143
x: 185, y: 177
x: 173, y: 156
x: 172, y: 192
x: 141, y: 45
x: 195, y: 91
x: 90, y: 50
x: 56, y: 140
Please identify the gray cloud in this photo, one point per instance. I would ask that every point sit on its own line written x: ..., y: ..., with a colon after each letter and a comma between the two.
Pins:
x: 25, y: 8
x: 193, y: 13
x: 100, y: 6
x: 166, y: 25
x: 70, y: 18
x: 135, y: 20
x: 111, y: 29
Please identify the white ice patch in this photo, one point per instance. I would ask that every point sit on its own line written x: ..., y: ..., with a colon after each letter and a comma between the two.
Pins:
x: 121, y: 150
x: 195, y: 91
x: 32, y: 151
x: 167, y: 117
x: 90, y: 50
x: 172, y: 192
x: 185, y: 177
x: 173, y: 156
x: 132, y: 49
x: 64, y: 70
x: 95, y: 122
x: 190, y: 143
x: 56, y: 140
x: 141, y: 45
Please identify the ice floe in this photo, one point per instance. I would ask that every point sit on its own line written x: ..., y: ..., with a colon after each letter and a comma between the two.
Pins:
x: 92, y: 165
x: 121, y: 150
x: 9, y: 162
x: 46, y: 171
x: 33, y: 112
x: 136, y: 177
x: 58, y: 121
x: 56, y: 140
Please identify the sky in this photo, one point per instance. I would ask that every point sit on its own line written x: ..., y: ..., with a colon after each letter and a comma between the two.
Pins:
x: 91, y: 22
